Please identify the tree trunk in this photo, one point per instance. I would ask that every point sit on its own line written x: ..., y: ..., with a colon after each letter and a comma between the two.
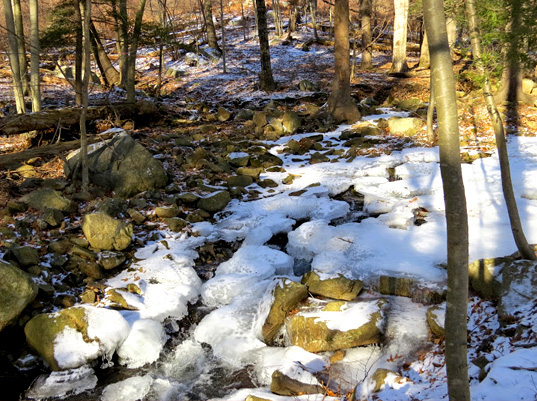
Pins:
x: 425, y: 59
x: 209, y: 25
x: 365, y: 10
x: 400, y: 36
x: 34, y: 56
x: 78, y: 53
x: 163, y: 25
x: 454, y: 199
x: 340, y: 104
x: 223, y: 27
x: 109, y: 73
x: 293, y: 11
x: 13, y: 51
x: 313, y: 10
x: 133, y: 48
x: 85, y: 13
x: 123, y: 41
x: 430, y: 111
x: 451, y: 26
x: 266, y: 80
x: 524, y: 248
x: 277, y: 17
x: 19, y: 31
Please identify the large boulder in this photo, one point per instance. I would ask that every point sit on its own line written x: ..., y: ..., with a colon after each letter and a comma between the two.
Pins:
x: 215, y: 202
x: 518, y: 291
x: 47, y: 198
x: 17, y: 290
x: 25, y: 255
x: 291, y: 122
x: 338, y: 287
x: 293, y: 380
x: 76, y: 336
x: 484, y: 276
x: 122, y: 165
x: 354, y: 324
x: 286, y: 295
x: 106, y: 233
x: 407, y: 126
x: 436, y: 316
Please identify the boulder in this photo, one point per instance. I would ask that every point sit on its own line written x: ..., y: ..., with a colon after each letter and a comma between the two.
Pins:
x: 436, y: 316
x: 360, y: 130
x: 291, y: 122
x: 400, y: 286
x: 17, y: 290
x: 110, y: 260
x: 527, y: 86
x: 286, y: 295
x: 53, y: 217
x: 167, y: 211
x: 407, y: 126
x: 122, y: 165
x: 411, y: 104
x: 338, y: 287
x: 518, y: 290
x: 76, y: 336
x: 307, y: 86
x: 175, y: 224
x: 215, y: 201
x: 379, y: 379
x: 47, y: 198
x: 288, y: 384
x: 239, y: 181
x: 238, y: 159
x: 25, y: 255
x: 223, y: 114
x: 260, y: 119
x: 355, y: 324
x: 484, y: 276
x: 106, y: 233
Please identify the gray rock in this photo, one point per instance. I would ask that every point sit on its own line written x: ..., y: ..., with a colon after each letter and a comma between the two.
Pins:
x: 17, y: 290
x: 215, y: 201
x: 110, y: 260
x: 175, y: 224
x: 518, y: 289
x: 53, y: 217
x: 47, y: 198
x: 25, y: 255
x: 105, y: 233
x: 122, y: 165
x: 239, y: 181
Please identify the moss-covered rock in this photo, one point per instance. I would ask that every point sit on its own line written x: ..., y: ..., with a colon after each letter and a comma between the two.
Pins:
x: 291, y: 122
x: 338, y: 287
x: 25, y: 255
x: 167, y: 211
x: 239, y: 181
x: 407, y: 126
x: 106, y: 233
x: 215, y: 201
x: 282, y: 384
x: 47, y: 198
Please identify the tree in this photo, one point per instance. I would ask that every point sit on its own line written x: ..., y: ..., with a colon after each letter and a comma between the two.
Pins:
x: 455, y: 201
x: 266, y: 80
x: 108, y: 71
x: 400, y: 36
x: 340, y: 104
x: 514, y: 218
x: 19, y: 31
x: 209, y: 24
x: 14, y: 61
x: 365, y: 11
x: 425, y: 59
x: 35, y: 86
x: 85, y: 17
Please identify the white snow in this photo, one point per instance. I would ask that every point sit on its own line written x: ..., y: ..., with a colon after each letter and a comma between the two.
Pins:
x: 131, y: 389
x: 143, y: 345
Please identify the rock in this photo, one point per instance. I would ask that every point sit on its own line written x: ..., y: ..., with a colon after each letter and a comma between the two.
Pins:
x: 46, y: 198
x: 215, y: 201
x: 174, y: 73
x: 113, y: 207
x: 245, y: 114
x: 291, y: 122
x: 223, y: 114
x: 17, y: 290
x: 527, y: 86
x: 15, y: 207
x: 336, y: 288
x: 319, y: 158
x: 282, y: 384
x: 250, y: 171
x: 238, y: 159
x: 55, y: 336
x: 518, y: 289
x: 307, y: 86
x: 53, y: 217
x: 239, y: 181
x: 411, y: 104
x: 483, y: 276
x: 116, y: 297
x: 26, y: 171
x: 175, y: 224
x: 286, y: 296
x: 407, y: 126
x: 359, y: 323
x: 167, y: 211
x: 89, y: 268
x: 105, y: 233
x: 436, y: 319
x: 187, y: 197
x: 138, y: 217
x: 25, y: 255
x: 360, y: 130
x: 122, y: 165
x: 260, y: 119
x: 61, y: 246
x: 268, y: 183
x: 197, y: 158
x: 379, y: 378
x: 110, y: 260
x: 254, y: 398
x: 400, y: 286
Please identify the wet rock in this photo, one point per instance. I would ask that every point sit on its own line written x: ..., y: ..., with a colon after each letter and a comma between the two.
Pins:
x: 53, y: 217
x: 336, y: 288
x: 407, y: 126
x: 56, y: 335
x: 167, y: 211
x: 286, y: 296
x: 110, y: 260
x: 17, y: 290
x: 121, y: 165
x: 484, y: 276
x: 239, y: 181
x: 46, y: 198
x: 105, y: 233
x: 25, y: 255
x: 282, y: 384
x: 215, y: 201
x: 435, y: 319
x: 358, y: 324
x: 175, y: 224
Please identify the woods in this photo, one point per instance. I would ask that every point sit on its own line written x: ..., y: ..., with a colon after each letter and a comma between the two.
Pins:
x: 265, y: 200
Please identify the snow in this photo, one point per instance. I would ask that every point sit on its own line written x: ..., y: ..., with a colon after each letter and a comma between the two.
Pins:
x: 131, y: 389
x: 143, y: 345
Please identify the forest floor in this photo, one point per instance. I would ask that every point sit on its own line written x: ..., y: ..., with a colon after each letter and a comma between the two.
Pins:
x: 188, y: 106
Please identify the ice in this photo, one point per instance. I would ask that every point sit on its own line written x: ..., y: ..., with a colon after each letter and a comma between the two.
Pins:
x: 222, y: 290
x: 143, y: 345
x: 131, y: 389
x: 259, y: 261
x: 71, y: 351
x: 63, y: 383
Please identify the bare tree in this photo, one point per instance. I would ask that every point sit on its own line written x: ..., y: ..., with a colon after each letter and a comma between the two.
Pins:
x: 455, y: 201
x: 266, y: 80
x: 35, y: 86
x: 85, y: 14
x: 209, y: 25
x: 365, y: 11
x: 14, y: 61
x: 400, y: 36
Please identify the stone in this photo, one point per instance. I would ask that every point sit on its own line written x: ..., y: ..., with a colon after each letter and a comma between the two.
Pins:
x: 175, y: 224
x: 267, y: 183
x: 137, y: 216
x: 89, y: 268
x: 411, y: 104
x: 436, y: 318
x: 407, y: 126
x: 317, y: 331
x: 319, y: 158
x: 360, y: 130
x: 17, y: 290
x: 167, y: 211
x: 518, y: 289
x: 15, y: 207
x: 44, y: 333
x: 338, y: 287
x: 197, y: 158
x: 215, y: 201
x: 282, y: 384
x: 187, y: 197
x: 110, y: 260
x: 254, y: 398
x: 527, y: 86
x: 260, y: 119
x: 238, y: 159
x: 61, y: 246
x: 26, y: 171
x: 122, y: 165
x: 174, y: 73
x: 286, y: 296
x: 379, y: 378
x: 291, y: 122
x: 223, y: 115
x: 47, y: 198
x: 106, y: 233
x: 484, y: 276
x: 251, y: 171
x: 239, y: 181
x: 400, y: 286
x: 25, y: 255
x: 116, y: 298
x: 53, y: 217
x: 307, y: 86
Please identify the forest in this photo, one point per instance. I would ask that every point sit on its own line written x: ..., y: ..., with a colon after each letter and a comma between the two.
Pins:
x: 264, y: 200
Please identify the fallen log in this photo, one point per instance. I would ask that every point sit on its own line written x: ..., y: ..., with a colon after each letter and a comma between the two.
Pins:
x: 70, y: 116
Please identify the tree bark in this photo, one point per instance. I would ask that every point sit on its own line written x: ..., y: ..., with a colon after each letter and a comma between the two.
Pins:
x: 133, y: 48
x: 209, y: 25
x: 19, y: 31
x: 13, y: 51
x: 109, y: 73
x: 85, y: 13
x: 34, y: 56
x: 340, y: 104
x: 266, y: 80
x: 365, y: 10
x: 223, y: 27
x: 524, y: 248
x: 400, y: 36
x: 78, y: 53
x: 313, y: 11
x: 425, y: 59
x: 455, y: 201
